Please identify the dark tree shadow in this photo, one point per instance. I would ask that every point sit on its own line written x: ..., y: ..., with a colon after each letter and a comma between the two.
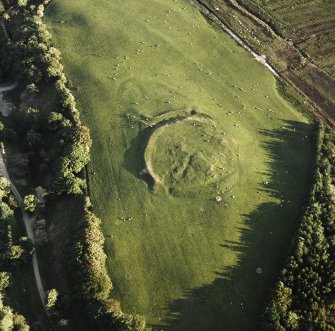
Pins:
x: 134, y: 161
x: 237, y: 298
x: 134, y: 157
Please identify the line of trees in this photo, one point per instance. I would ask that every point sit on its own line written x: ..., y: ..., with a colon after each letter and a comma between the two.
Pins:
x: 12, y: 255
x: 57, y: 139
x: 304, y: 298
x: 93, y: 284
x: 30, y: 57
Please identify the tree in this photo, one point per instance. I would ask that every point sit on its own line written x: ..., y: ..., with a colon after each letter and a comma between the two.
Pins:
x: 20, y: 323
x: 31, y: 117
x: 32, y: 88
x: 57, y: 122
x: 22, y: 3
x: 5, y: 211
x: 63, y: 179
x: 15, y: 253
x: 304, y: 295
x: 30, y: 202
x: 27, y: 244
x: 6, y: 317
x: 51, y: 299
x: 4, y: 280
x: 4, y: 187
x: 10, y: 321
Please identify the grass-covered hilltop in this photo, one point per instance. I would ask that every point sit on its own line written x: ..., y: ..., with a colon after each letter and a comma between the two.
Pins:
x: 171, y: 178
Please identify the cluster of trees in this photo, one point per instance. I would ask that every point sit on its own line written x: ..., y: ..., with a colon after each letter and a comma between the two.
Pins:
x: 93, y: 284
x: 29, y: 56
x: 25, y: 55
x: 56, y: 306
x: 12, y: 254
x: 304, y: 298
x: 9, y: 320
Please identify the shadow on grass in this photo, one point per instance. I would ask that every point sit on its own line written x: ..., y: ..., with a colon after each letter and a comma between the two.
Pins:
x: 134, y: 161
x: 237, y: 298
x: 134, y: 157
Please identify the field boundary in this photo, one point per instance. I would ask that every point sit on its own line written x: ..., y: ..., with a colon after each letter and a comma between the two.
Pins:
x: 208, y: 13
x: 324, y: 108
x: 306, y: 276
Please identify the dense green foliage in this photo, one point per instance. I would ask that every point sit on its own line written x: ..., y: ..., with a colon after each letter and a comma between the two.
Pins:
x: 304, y: 298
x: 11, y: 253
x: 30, y: 56
x: 10, y: 320
x: 92, y: 280
x: 30, y: 202
x: 11, y: 256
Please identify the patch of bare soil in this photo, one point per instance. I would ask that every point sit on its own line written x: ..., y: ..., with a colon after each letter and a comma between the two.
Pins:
x: 316, y: 29
x: 326, y: 110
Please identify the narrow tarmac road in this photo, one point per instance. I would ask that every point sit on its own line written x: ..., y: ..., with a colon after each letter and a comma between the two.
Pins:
x: 28, y: 221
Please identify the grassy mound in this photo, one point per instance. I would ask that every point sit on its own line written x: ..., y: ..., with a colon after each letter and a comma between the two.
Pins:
x: 183, y: 260
x: 190, y: 156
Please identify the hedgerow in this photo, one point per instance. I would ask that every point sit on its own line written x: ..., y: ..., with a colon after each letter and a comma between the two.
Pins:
x: 304, y: 298
x: 93, y: 284
x: 29, y: 56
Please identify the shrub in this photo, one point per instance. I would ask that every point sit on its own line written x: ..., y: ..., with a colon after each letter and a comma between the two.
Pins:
x: 52, y: 297
x: 30, y: 202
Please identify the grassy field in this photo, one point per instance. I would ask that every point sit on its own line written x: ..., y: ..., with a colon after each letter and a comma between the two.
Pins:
x: 175, y: 254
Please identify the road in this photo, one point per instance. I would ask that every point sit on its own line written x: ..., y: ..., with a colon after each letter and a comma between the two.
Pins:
x: 28, y: 221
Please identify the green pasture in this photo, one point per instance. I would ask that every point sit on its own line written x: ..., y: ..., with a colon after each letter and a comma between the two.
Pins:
x: 175, y: 254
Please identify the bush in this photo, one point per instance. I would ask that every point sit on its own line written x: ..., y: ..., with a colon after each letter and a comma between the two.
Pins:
x: 30, y: 202
x: 51, y: 299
